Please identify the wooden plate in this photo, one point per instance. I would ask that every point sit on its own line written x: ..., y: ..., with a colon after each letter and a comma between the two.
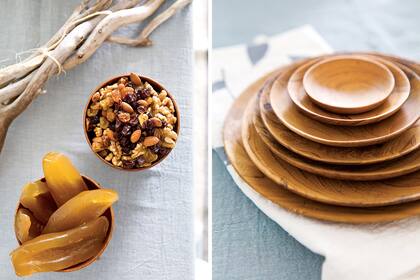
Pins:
x: 348, y: 84
x: 342, y: 136
x: 386, y: 170
x: 396, y: 99
x: 286, y: 199
x: 407, y: 142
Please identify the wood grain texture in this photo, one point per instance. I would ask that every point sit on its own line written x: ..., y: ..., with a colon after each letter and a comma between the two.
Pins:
x: 286, y: 199
x: 341, y: 136
x: 407, y: 142
x: 373, y: 172
x: 348, y: 84
x: 391, y: 105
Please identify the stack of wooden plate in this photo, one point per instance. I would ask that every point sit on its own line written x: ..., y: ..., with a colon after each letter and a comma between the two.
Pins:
x: 333, y: 137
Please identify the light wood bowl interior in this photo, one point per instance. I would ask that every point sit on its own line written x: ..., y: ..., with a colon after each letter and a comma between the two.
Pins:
x: 348, y: 84
x: 109, y: 214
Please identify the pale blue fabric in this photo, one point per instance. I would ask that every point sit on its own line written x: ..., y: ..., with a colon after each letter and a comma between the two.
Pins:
x: 153, y: 238
x: 246, y: 243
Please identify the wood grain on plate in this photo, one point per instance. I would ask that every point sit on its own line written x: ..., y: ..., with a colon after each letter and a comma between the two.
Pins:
x: 385, y: 170
x: 348, y: 84
x: 342, y: 136
x: 391, y: 105
x: 286, y: 199
x: 407, y: 142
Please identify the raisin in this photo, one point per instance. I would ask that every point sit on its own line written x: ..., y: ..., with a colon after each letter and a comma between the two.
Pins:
x: 126, y: 130
x: 134, y: 121
x: 94, y: 119
x: 130, y: 99
x: 129, y: 164
x: 141, y: 109
x: 140, y: 161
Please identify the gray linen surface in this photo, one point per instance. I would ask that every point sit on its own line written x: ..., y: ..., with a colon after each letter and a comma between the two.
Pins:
x: 153, y: 238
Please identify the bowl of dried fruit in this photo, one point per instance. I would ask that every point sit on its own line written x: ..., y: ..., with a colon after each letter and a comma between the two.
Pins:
x: 131, y: 122
x: 63, y: 222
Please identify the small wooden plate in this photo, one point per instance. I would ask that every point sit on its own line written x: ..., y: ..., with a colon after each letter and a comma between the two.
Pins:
x: 391, y: 105
x: 348, y: 84
x: 109, y: 214
x: 386, y: 170
x: 286, y: 199
x: 342, y: 136
x: 407, y: 142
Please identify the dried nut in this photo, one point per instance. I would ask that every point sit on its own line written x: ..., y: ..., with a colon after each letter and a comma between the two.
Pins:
x: 172, y: 134
x: 103, y: 123
x: 162, y: 95
x: 127, y: 107
x: 150, y: 141
x: 169, y: 140
x: 116, y: 96
x: 98, y: 131
x: 121, y: 86
x: 171, y: 119
x: 96, y: 97
x: 91, y: 112
x: 143, y: 103
x: 97, y: 147
x: 135, y: 136
x: 97, y: 140
x: 124, y: 117
x: 110, y: 115
x: 110, y: 134
x: 156, y: 122
x: 135, y: 79
x: 128, y: 90
x: 164, y: 111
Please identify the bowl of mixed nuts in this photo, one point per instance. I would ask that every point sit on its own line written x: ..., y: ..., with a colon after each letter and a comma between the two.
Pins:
x: 131, y: 122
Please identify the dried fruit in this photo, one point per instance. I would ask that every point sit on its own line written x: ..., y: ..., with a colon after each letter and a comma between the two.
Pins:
x: 63, y: 179
x: 37, y: 198
x: 96, y: 97
x: 57, y: 251
x: 27, y: 227
x: 84, y: 207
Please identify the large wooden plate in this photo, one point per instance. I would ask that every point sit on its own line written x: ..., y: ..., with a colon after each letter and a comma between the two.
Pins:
x: 396, y: 99
x: 342, y: 136
x: 286, y: 199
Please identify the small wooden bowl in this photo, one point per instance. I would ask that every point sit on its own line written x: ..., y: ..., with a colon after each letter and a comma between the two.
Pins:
x: 109, y: 214
x: 348, y: 85
x: 158, y: 87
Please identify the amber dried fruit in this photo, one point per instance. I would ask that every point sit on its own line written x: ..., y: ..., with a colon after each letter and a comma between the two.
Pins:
x: 37, y: 198
x: 27, y: 227
x: 63, y: 179
x: 124, y: 117
x: 57, y: 251
x: 82, y: 208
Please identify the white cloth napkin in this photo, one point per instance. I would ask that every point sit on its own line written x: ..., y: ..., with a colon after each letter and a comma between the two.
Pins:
x: 376, y: 251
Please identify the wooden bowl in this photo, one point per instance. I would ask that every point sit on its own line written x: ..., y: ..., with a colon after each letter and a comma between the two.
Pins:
x: 158, y: 87
x: 393, y: 103
x: 109, y: 214
x: 348, y: 84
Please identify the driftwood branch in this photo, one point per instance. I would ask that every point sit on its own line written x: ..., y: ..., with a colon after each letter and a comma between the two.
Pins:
x: 81, y: 35
x: 143, y: 38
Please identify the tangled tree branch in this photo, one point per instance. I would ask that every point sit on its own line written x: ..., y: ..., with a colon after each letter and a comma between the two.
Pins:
x: 81, y: 35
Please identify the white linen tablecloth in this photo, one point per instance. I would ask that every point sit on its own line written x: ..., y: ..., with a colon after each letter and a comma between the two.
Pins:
x: 153, y: 238
x: 376, y: 251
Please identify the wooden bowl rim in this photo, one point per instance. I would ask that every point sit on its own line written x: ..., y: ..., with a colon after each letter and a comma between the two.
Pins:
x: 155, y: 85
x: 110, y: 218
x: 360, y: 109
